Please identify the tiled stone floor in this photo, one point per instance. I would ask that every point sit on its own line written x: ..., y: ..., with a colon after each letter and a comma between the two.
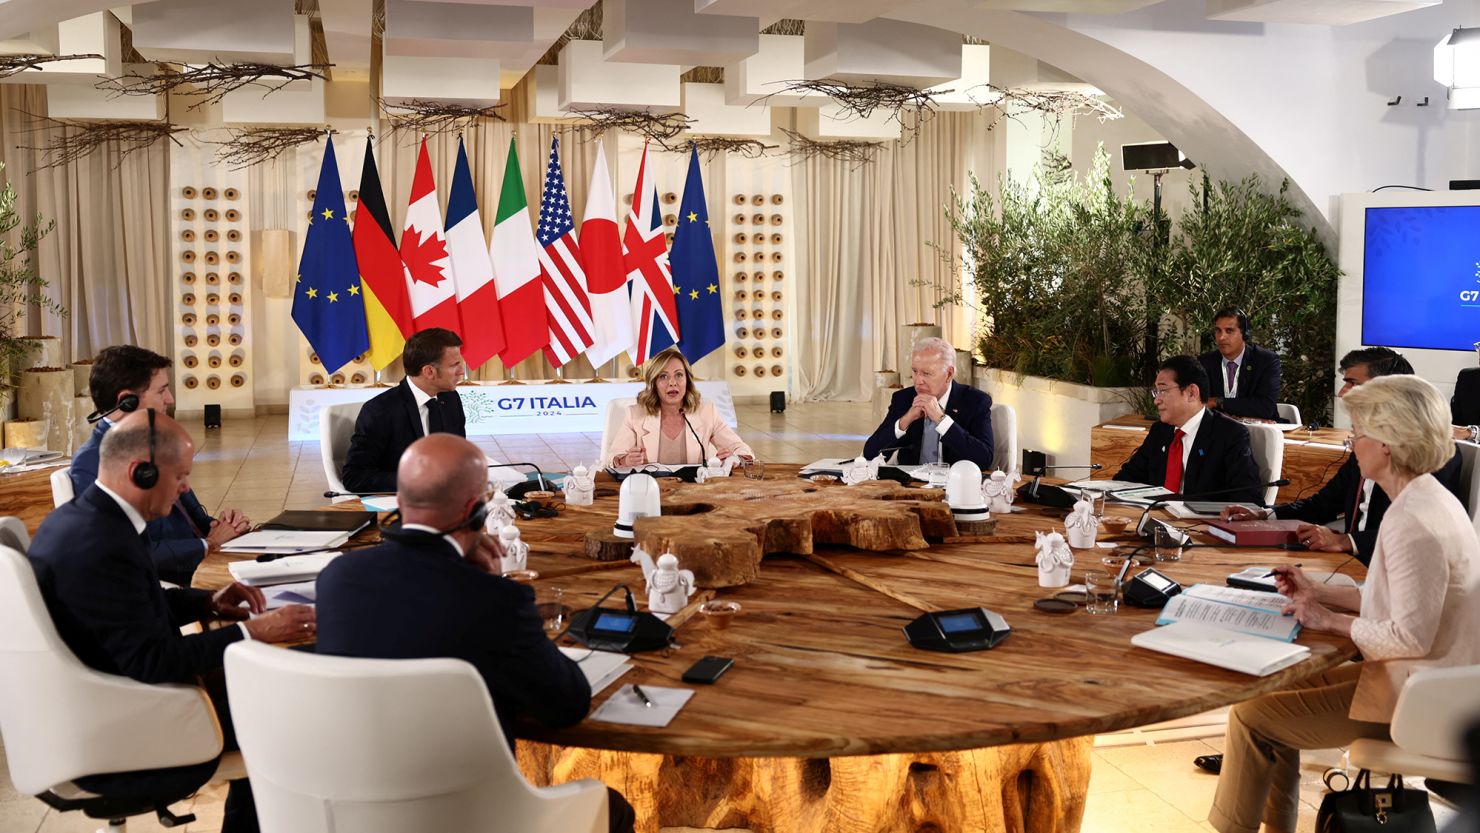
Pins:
x: 1143, y: 781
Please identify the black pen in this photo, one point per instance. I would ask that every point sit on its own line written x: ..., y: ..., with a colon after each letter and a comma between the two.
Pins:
x: 637, y: 689
x: 1270, y: 574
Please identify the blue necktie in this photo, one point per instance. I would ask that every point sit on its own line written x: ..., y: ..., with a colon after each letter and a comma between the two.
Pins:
x: 929, y: 444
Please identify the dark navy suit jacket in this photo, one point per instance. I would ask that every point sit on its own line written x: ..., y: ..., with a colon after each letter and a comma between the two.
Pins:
x: 386, y: 425
x: 1339, y: 497
x: 1220, y: 459
x: 1464, y: 405
x: 176, y: 542
x: 421, y: 599
x: 1258, y: 382
x: 103, y: 593
x: 970, y: 438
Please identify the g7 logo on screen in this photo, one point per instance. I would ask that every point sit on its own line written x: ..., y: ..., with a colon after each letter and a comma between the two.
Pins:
x: 545, y: 405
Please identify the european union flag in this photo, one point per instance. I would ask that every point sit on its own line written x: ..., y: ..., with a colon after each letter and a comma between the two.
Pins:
x: 327, y: 304
x: 701, y: 317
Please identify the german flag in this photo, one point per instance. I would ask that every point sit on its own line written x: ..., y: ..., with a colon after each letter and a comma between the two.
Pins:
x: 387, y: 303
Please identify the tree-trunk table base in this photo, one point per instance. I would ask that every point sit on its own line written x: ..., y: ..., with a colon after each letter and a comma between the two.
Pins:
x: 1022, y: 788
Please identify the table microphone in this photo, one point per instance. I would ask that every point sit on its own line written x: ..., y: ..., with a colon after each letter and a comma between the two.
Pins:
x: 334, y: 494
x: 1141, y: 525
x: 518, y: 490
x: 1035, y: 491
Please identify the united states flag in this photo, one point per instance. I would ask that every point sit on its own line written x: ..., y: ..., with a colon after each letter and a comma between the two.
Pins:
x: 567, y: 307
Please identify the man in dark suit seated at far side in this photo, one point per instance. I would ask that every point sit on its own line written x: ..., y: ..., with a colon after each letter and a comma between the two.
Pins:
x: 938, y: 420
x: 433, y: 589
x: 1244, y: 377
x: 425, y: 402
x: 1192, y: 450
x: 1347, y: 494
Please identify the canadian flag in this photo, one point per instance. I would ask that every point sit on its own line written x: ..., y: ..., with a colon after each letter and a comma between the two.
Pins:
x: 424, y: 254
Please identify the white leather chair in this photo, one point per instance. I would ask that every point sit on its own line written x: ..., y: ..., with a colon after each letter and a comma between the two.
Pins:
x: 13, y: 534
x: 386, y: 746
x: 62, y: 720
x: 1434, y: 709
x: 616, y: 415
x: 1268, y: 444
x: 1469, y: 479
x: 61, y: 486
x: 336, y: 427
x: 1288, y: 413
x: 1004, y: 437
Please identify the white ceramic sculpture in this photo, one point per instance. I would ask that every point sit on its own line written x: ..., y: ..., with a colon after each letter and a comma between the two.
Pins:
x: 1081, y: 526
x: 500, y: 512
x: 858, y: 471
x: 1054, y: 558
x: 668, y: 587
x: 516, y: 552
x: 997, y: 489
x: 580, y: 487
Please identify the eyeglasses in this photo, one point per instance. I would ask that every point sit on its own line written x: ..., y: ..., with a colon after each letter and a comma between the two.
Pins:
x: 1158, y: 392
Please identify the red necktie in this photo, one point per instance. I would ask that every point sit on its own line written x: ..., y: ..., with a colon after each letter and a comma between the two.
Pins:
x: 1173, y: 481
x: 1351, y: 517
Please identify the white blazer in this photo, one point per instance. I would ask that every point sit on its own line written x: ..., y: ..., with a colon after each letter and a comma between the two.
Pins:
x: 641, y: 430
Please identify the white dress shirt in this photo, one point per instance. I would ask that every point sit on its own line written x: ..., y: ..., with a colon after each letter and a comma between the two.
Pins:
x: 1189, y: 433
x: 433, y: 530
x: 422, y: 398
x: 945, y: 419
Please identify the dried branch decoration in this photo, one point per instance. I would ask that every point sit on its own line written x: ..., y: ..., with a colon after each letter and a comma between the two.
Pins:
x: 435, y: 116
x: 862, y: 100
x: 662, y: 128
x: 78, y: 139
x: 709, y: 146
x: 211, y: 80
x: 1015, y: 103
x: 250, y: 146
x: 803, y: 148
x: 16, y: 64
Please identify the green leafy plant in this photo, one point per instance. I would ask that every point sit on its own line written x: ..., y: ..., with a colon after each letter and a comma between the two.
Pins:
x: 1244, y: 246
x: 20, y: 285
x: 1055, y: 268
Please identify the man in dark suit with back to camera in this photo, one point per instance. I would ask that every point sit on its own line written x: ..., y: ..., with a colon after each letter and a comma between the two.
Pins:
x: 102, y: 590
x: 1464, y: 405
x: 127, y: 378
x: 425, y: 402
x: 1347, y: 494
x: 433, y: 589
x: 1245, y: 377
x: 937, y: 420
x: 1193, y: 450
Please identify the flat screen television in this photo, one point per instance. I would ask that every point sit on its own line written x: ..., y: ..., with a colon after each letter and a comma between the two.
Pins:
x: 1421, y: 277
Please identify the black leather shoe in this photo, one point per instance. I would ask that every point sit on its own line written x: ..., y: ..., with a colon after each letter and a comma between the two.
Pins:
x: 1209, y: 763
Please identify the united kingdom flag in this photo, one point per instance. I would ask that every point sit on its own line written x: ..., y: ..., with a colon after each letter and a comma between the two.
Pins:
x: 645, y: 255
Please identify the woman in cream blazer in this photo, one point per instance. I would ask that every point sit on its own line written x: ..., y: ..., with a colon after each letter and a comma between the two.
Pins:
x: 670, y: 423
x: 1419, y: 608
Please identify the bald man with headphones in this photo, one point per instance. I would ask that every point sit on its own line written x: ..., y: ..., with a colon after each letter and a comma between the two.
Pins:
x: 101, y: 586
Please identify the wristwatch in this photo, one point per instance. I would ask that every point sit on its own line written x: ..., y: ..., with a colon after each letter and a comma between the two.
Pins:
x: 1474, y: 432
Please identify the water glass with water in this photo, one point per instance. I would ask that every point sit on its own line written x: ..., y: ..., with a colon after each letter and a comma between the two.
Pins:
x: 1102, y: 591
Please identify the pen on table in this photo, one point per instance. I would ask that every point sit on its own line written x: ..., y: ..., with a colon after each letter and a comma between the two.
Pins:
x: 1270, y: 574
x: 641, y: 695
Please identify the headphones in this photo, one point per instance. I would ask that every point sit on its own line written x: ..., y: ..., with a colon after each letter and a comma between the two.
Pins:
x: 1243, y: 321
x: 477, y: 516
x: 128, y: 403
x: 145, y: 475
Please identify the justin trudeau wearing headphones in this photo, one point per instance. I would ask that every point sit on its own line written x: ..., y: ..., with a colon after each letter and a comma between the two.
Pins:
x: 1245, y: 377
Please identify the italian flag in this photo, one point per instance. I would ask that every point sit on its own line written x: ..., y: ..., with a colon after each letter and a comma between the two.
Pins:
x: 516, y: 270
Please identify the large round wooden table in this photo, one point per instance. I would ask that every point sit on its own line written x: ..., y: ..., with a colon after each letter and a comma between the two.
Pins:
x: 830, y: 720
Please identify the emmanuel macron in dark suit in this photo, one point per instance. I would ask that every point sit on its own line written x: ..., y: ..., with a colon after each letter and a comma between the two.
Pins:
x: 425, y: 402
x: 1216, y: 447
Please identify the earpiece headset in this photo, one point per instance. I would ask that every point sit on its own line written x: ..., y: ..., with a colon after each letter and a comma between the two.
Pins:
x: 128, y: 403
x: 146, y: 475
x: 392, y: 529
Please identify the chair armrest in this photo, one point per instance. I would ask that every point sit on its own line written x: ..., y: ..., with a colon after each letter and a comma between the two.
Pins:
x: 87, y: 723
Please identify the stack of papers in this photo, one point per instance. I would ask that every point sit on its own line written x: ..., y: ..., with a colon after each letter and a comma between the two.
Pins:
x: 286, y: 541
x: 1223, y: 648
x: 289, y: 570
x: 1251, y: 612
x: 625, y: 706
x: 602, y: 668
x: 298, y: 593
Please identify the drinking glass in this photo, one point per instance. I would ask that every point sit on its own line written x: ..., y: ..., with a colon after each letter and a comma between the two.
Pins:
x: 1169, y: 543
x: 753, y: 469
x: 936, y: 475
x: 549, y: 602
x: 1103, y: 592
x: 1096, y: 500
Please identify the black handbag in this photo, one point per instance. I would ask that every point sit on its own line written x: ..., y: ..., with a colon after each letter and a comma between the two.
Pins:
x: 1363, y: 808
